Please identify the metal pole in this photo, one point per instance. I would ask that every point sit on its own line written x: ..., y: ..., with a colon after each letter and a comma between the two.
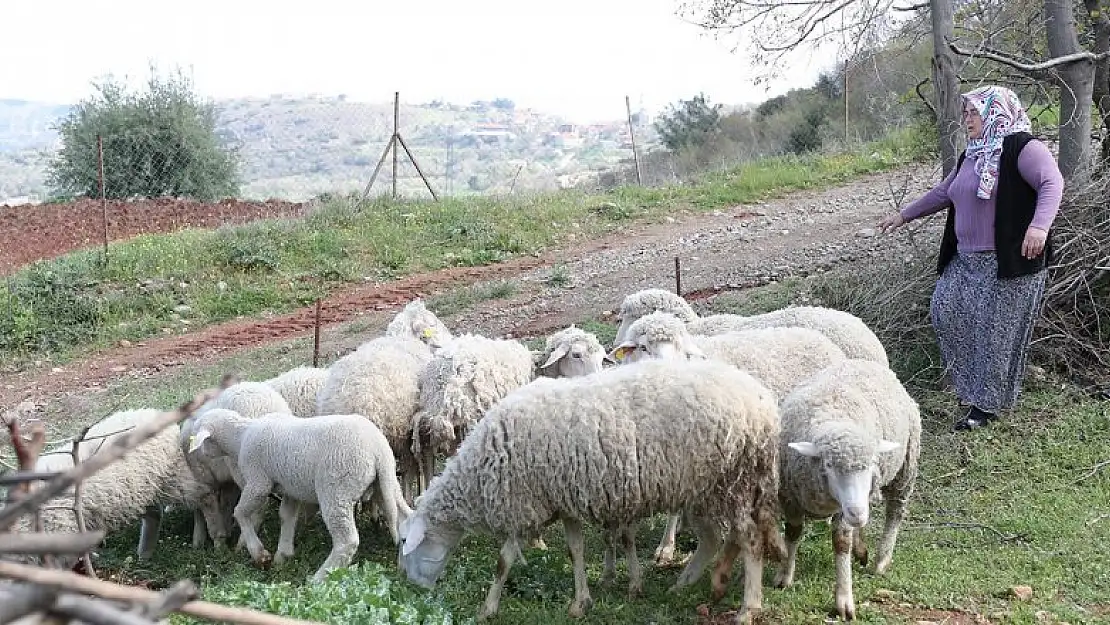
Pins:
x: 632, y: 133
x: 677, y: 275
x: 103, y: 197
x: 396, y: 133
x: 316, y: 338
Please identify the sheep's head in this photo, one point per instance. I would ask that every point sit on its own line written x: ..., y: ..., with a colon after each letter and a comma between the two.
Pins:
x: 647, y: 301
x: 848, y: 457
x: 656, y: 335
x: 570, y: 353
x: 424, y: 549
x: 417, y: 321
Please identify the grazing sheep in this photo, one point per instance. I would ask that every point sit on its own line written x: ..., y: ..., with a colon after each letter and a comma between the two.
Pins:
x: 417, y: 322
x: 777, y: 357
x: 380, y: 381
x: 136, y: 486
x: 610, y: 449
x: 299, y: 387
x: 331, y: 462
x: 847, y: 430
x: 570, y: 353
x: 849, y: 332
x: 462, y: 381
x: 250, y: 399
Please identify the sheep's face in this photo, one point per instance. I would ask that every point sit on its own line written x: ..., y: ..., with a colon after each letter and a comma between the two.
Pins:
x: 627, y: 319
x: 423, y: 550
x: 575, y: 359
x: 428, y: 328
x: 643, y: 347
x: 848, y: 472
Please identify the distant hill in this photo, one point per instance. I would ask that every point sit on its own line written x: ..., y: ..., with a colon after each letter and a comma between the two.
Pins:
x: 296, y: 148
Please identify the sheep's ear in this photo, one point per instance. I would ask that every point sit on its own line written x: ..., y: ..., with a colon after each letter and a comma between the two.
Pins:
x: 693, y: 352
x: 620, y: 351
x: 197, y: 439
x: 886, y: 447
x: 556, y: 355
x: 412, y: 533
x: 804, y: 448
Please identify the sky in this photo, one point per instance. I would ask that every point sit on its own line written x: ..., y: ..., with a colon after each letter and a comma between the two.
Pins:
x: 574, y: 58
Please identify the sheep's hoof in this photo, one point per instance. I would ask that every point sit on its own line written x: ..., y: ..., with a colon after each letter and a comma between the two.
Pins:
x: 608, y: 577
x: 743, y: 617
x: 845, y: 609
x: 664, y: 556
x: 635, y: 590
x: 539, y: 544
x: 782, y: 580
x: 280, y: 558
x: 264, y: 560
x: 578, y: 609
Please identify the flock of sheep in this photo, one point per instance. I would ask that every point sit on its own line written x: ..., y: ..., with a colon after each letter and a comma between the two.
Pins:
x: 730, y: 424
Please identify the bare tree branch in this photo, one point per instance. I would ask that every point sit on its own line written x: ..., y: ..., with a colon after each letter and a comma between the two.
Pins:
x: 913, y: 7
x: 1029, y: 68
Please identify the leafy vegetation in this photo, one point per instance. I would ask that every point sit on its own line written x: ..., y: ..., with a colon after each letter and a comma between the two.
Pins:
x: 171, y: 283
x: 161, y: 142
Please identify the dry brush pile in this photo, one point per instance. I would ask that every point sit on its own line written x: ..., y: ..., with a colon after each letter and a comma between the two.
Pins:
x: 40, y: 594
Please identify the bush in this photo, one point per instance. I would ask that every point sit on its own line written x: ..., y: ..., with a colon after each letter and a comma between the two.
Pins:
x: 159, y: 143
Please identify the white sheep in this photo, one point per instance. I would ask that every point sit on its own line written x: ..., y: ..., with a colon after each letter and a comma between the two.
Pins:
x: 416, y: 321
x: 569, y: 353
x: 460, y: 383
x: 331, y: 462
x: 250, y: 399
x: 610, y: 449
x: 848, y: 331
x: 380, y: 381
x: 777, y: 357
x: 299, y: 387
x: 847, y: 430
x: 148, y: 477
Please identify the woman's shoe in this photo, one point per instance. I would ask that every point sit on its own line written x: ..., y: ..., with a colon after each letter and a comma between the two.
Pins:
x: 974, y: 418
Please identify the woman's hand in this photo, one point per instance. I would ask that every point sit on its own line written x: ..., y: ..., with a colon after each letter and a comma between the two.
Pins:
x: 1033, y: 244
x: 892, y: 222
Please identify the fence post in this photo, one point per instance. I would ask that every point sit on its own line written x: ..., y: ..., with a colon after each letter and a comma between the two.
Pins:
x: 632, y: 133
x: 103, y: 197
x: 677, y: 276
x: 316, y: 337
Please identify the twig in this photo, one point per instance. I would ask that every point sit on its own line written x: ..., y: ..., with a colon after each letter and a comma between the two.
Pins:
x: 32, y: 543
x: 72, y: 582
x: 1091, y: 472
x: 20, y: 600
x: 1002, y: 536
x: 172, y: 599
x: 78, y: 507
x: 95, y: 612
x: 113, y: 452
x: 1034, y: 68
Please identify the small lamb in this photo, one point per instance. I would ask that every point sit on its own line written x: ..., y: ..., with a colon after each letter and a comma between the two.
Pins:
x: 417, y: 322
x: 847, y: 430
x: 330, y: 461
x: 848, y: 331
x: 610, y: 449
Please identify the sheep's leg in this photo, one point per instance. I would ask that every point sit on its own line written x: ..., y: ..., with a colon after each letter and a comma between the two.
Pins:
x: 794, y: 530
x: 895, y: 511
x: 576, y: 544
x: 709, y: 540
x: 339, y: 518
x: 842, y: 556
x: 509, y: 551
x: 632, y: 559
x: 288, y: 511
x: 148, y: 532
x: 200, y: 529
x: 609, y: 570
x: 664, y: 553
x: 248, y: 514
x: 751, y: 548
x: 393, y: 507
x: 859, y: 547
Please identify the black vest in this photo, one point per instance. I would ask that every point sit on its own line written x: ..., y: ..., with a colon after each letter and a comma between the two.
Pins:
x: 1015, y: 203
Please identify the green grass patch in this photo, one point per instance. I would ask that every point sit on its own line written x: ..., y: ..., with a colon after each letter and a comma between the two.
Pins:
x: 172, y: 283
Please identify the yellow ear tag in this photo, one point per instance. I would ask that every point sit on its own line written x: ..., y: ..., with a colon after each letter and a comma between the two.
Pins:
x: 621, y: 353
x: 193, y: 442
x: 428, y: 332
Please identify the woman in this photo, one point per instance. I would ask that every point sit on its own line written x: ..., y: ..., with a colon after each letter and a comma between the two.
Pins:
x: 992, y: 263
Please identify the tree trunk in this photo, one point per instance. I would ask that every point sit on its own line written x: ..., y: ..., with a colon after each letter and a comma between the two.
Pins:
x: 1100, y: 23
x: 1077, y: 81
x: 946, y: 85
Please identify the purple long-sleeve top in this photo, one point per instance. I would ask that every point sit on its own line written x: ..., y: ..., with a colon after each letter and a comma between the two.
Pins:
x: 974, y: 215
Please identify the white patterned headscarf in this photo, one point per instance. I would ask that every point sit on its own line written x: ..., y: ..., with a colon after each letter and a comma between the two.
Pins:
x: 1002, y: 115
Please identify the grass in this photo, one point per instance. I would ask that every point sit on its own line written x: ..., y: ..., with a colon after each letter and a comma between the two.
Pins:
x: 169, y: 284
x: 1015, y: 505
